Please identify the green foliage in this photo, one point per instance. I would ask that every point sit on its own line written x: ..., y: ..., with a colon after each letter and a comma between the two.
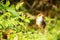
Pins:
x: 13, y: 17
x: 7, y: 3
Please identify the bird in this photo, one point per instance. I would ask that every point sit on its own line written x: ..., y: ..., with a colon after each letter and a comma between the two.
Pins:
x: 40, y: 22
x: 37, y: 21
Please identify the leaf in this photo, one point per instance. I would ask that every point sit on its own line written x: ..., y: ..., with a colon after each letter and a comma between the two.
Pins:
x: 12, y: 10
x: 19, y: 5
x: 0, y: 27
x: 21, y: 23
x: 27, y: 20
x: 2, y: 7
x: 7, y: 3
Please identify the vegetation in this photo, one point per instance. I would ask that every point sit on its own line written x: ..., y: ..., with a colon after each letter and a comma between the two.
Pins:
x: 15, y: 23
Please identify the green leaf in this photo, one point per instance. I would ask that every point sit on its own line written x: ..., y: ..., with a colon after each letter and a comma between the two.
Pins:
x: 27, y: 20
x: 21, y: 23
x: 7, y: 3
x: 0, y: 27
x: 12, y: 10
x: 2, y: 7
x: 19, y: 5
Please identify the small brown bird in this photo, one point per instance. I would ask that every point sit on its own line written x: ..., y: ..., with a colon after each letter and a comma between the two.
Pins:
x: 40, y: 22
x: 37, y: 21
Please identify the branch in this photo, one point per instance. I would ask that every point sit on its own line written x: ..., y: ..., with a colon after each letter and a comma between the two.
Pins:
x: 27, y: 4
x: 34, y: 3
x: 40, y: 3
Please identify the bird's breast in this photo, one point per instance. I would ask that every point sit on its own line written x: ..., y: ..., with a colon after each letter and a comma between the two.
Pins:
x: 39, y: 20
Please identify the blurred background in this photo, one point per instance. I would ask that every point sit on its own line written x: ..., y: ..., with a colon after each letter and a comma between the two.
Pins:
x: 17, y: 19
